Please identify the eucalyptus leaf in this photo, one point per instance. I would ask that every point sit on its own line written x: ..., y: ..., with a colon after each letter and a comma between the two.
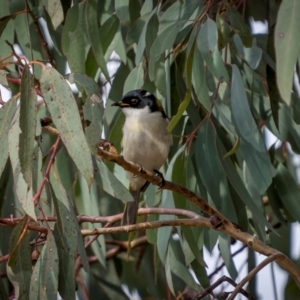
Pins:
x: 64, y: 112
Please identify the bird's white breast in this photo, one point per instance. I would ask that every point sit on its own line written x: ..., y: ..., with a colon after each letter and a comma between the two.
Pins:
x: 146, y: 140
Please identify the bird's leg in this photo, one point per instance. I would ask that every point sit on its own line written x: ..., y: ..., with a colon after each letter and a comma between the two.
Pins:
x: 162, y: 179
x: 145, y: 186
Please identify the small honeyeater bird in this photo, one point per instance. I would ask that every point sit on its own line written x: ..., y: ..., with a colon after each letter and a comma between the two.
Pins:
x: 146, y: 141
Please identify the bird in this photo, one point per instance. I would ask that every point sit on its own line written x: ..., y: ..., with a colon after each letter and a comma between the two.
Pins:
x: 146, y: 141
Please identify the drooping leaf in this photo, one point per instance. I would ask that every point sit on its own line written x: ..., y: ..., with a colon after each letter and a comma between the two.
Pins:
x: 65, y: 235
x: 207, y: 43
x: 286, y: 31
x: 73, y: 41
x: 64, y: 112
x: 239, y: 25
x: 55, y: 11
x: 288, y: 191
x: 92, y: 28
x: 3, y: 22
x: 23, y: 191
x: 241, y: 113
x: 44, y: 278
x: 211, y: 170
x: 6, y: 114
x: 135, y: 79
x: 224, y: 245
x: 28, y: 110
x: 122, y: 11
x: 109, y: 183
x: 20, y: 260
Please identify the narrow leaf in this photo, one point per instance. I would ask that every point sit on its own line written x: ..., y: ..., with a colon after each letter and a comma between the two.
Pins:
x: 207, y: 43
x: 135, y: 79
x: 109, y: 183
x: 65, y: 234
x: 22, y: 189
x: 44, y: 278
x: 28, y: 110
x: 288, y: 191
x: 91, y: 20
x: 241, y: 113
x: 286, y: 33
x: 6, y: 114
x: 20, y: 259
x: 64, y: 112
x: 55, y: 11
x: 211, y: 170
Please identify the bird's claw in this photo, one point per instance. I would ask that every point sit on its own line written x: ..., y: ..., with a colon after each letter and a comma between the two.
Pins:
x: 140, y: 170
x: 162, y: 179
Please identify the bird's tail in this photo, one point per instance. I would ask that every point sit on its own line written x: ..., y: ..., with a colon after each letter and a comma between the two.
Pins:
x: 131, y: 208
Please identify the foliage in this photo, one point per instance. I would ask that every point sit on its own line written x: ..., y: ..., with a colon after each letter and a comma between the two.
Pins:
x: 224, y: 89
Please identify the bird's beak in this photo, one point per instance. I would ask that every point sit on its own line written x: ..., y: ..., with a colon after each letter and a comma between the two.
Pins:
x: 120, y: 104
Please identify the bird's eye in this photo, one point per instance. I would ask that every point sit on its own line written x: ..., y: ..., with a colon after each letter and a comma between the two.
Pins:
x: 134, y: 101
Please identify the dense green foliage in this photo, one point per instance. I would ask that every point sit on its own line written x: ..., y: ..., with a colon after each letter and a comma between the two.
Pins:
x: 223, y: 88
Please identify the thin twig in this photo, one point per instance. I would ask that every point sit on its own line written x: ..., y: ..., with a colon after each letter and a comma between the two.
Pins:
x: 217, y: 283
x: 55, y: 147
x: 275, y: 257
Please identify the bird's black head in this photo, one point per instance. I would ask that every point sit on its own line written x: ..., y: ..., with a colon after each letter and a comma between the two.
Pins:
x: 138, y: 99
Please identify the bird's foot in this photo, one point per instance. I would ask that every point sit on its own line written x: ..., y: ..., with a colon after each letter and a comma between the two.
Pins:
x: 161, y: 176
x: 140, y: 170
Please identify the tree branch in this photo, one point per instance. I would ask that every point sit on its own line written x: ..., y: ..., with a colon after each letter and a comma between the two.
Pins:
x: 226, y: 226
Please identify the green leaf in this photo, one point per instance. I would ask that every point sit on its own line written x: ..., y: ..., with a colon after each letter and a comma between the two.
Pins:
x: 239, y: 25
x: 64, y: 112
x: 207, y: 43
x: 241, y: 113
x: 73, y: 40
x: 135, y: 79
x: 108, y: 31
x: 93, y: 109
x: 181, y: 109
x: 7, y: 112
x: 199, y: 80
x: 85, y: 82
x: 287, y: 190
x: 211, y: 170
x: 3, y: 80
x: 20, y: 259
x: 287, y: 46
x: 251, y: 55
x: 44, y: 278
x: 92, y: 27
x: 135, y: 32
x: 29, y: 41
x: 109, y: 183
x: 3, y: 22
x: 259, y: 164
x: 122, y: 11
x: 180, y: 270
x: 55, y: 11
x: 164, y: 41
x: 224, y: 245
x: 147, y: 36
x: 151, y: 32
x: 147, y: 7
x: 224, y: 32
x: 66, y: 238
x: 28, y: 111
x: 240, y: 189
x: 3, y: 292
x: 23, y: 191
